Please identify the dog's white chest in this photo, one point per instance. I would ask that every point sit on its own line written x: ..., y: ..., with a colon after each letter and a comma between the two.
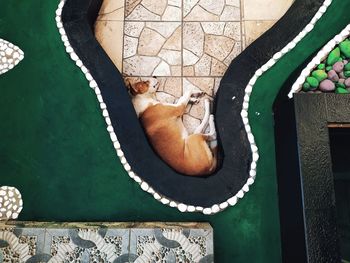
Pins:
x: 141, y: 103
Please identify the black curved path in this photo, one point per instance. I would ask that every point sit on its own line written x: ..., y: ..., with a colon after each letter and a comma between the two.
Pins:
x: 78, y: 18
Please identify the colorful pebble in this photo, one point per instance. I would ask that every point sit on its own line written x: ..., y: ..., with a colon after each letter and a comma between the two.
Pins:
x: 327, y: 85
x: 341, y: 91
x: 347, y: 67
x: 319, y: 74
x: 345, y: 48
x: 347, y: 83
x: 333, y: 74
x: 333, y: 57
x: 322, y: 66
x: 313, y: 82
x: 338, y: 67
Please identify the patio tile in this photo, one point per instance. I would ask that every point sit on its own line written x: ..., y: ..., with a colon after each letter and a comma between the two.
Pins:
x: 183, y: 42
x: 110, y: 36
x: 155, y: 44
x: 211, y: 10
x: 267, y: 9
x: 112, y: 10
x: 254, y: 29
x: 209, y: 47
x: 150, y: 10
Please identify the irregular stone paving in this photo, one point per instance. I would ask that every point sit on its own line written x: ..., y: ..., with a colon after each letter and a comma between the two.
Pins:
x: 185, y: 43
x: 106, y: 242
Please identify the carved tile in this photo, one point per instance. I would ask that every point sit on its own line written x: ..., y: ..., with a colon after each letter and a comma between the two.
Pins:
x: 170, y: 245
x: 87, y: 245
x: 112, y: 242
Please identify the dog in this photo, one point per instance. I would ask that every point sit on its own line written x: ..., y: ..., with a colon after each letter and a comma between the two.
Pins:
x: 189, y: 154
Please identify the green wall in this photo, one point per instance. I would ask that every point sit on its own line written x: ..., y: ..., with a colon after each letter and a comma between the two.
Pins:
x: 54, y: 146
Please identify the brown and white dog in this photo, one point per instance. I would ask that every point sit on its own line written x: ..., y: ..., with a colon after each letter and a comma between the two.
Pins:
x: 194, y: 154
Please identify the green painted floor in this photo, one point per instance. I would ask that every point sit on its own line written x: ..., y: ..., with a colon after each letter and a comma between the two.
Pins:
x: 55, y: 149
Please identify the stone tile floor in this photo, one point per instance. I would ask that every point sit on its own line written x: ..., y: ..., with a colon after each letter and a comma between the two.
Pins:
x: 106, y: 242
x: 184, y: 42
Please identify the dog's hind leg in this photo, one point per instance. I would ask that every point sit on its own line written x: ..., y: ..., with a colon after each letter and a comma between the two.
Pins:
x: 212, y: 142
x: 211, y: 136
x: 200, y: 129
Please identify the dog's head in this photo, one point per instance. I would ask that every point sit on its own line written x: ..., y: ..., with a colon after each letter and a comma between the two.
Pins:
x: 142, y: 87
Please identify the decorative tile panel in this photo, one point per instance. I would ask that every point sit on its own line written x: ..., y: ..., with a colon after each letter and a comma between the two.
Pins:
x: 106, y: 242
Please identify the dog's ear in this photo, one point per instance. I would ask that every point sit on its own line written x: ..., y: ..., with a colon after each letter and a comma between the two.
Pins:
x: 139, y: 88
x: 127, y: 82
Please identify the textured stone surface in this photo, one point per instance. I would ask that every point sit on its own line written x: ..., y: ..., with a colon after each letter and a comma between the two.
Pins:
x: 112, y: 10
x: 218, y: 46
x: 210, y: 10
x: 266, y: 10
x: 134, y: 66
x: 193, y: 37
x: 108, y: 35
x: 150, y: 42
x: 158, y: 42
x: 218, y: 42
x: 254, y: 29
x: 177, y: 39
x: 106, y: 242
x: 150, y: 10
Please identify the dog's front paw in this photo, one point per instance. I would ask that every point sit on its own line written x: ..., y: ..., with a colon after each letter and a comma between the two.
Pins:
x: 197, y: 93
x: 194, y: 100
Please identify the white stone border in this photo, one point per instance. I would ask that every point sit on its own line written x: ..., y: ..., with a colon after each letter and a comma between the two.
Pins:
x: 11, y: 203
x: 244, y: 113
x: 321, y: 55
x: 10, y: 56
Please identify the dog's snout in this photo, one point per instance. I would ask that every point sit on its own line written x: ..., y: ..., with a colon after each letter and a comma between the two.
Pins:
x: 154, y: 77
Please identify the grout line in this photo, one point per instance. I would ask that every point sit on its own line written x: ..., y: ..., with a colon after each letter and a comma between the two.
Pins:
x: 182, y: 48
x: 187, y: 21
x: 124, y: 24
x: 243, y: 35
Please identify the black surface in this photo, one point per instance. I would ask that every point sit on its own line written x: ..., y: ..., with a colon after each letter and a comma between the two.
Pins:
x: 78, y: 18
x: 305, y: 177
x: 340, y: 145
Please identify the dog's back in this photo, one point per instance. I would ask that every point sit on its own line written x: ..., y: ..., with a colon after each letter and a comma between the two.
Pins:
x: 187, y: 154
